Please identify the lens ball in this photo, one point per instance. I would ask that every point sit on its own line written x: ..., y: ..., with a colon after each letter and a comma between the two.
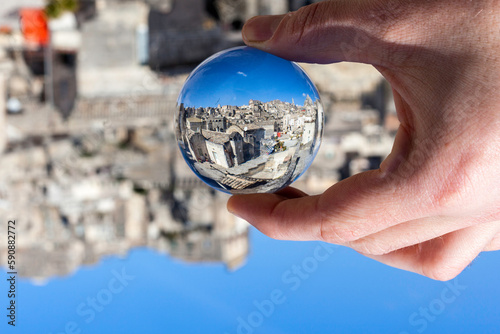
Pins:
x: 248, y: 121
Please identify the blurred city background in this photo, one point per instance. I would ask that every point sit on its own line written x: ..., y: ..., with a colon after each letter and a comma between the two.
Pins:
x: 89, y: 161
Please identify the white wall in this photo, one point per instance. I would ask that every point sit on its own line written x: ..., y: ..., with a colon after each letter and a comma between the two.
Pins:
x: 220, y: 156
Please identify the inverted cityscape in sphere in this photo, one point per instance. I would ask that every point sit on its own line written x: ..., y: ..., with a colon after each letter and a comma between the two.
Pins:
x: 248, y: 121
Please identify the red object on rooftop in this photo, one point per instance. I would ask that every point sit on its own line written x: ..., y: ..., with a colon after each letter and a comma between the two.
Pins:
x: 34, y: 25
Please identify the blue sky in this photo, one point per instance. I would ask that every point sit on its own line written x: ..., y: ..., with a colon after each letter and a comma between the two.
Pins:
x: 234, y: 77
x: 335, y: 290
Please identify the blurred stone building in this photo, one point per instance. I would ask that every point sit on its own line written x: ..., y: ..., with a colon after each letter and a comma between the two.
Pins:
x: 110, y: 178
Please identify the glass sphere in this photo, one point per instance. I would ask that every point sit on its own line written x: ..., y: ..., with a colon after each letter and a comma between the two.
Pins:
x: 248, y: 121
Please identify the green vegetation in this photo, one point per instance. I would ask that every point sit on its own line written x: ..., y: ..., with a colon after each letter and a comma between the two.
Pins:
x: 280, y: 146
x: 55, y: 8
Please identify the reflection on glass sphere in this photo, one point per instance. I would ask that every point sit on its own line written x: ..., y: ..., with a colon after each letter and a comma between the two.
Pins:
x: 248, y: 121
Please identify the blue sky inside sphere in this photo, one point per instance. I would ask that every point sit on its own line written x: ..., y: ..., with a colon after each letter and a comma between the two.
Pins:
x: 234, y: 76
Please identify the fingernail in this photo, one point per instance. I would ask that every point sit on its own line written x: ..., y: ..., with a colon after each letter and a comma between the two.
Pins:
x: 261, y: 28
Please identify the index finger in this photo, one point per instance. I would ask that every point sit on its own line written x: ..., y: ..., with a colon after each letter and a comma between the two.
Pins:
x: 358, y: 206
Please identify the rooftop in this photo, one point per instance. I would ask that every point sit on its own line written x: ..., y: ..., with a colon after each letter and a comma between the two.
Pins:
x: 215, y: 137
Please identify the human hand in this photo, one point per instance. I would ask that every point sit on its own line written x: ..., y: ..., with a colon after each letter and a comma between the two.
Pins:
x: 434, y: 204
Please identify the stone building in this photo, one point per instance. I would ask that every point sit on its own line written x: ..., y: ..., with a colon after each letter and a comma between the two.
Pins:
x: 236, y: 141
x: 219, y: 148
x: 217, y: 123
x: 308, y: 133
x: 252, y: 137
x: 198, y: 147
x: 194, y: 123
x: 182, y: 34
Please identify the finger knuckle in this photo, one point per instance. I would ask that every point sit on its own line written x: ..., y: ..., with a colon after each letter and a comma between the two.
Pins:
x: 452, y: 189
x: 440, y: 271
x: 370, y: 247
x: 299, y: 23
x: 273, y: 231
x: 336, y: 233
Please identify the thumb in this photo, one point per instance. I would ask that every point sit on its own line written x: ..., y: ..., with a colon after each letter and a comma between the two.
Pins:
x: 360, y: 205
x: 328, y: 31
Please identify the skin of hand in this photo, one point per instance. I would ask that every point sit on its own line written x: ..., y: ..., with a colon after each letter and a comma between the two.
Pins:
x: 434, y: 203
